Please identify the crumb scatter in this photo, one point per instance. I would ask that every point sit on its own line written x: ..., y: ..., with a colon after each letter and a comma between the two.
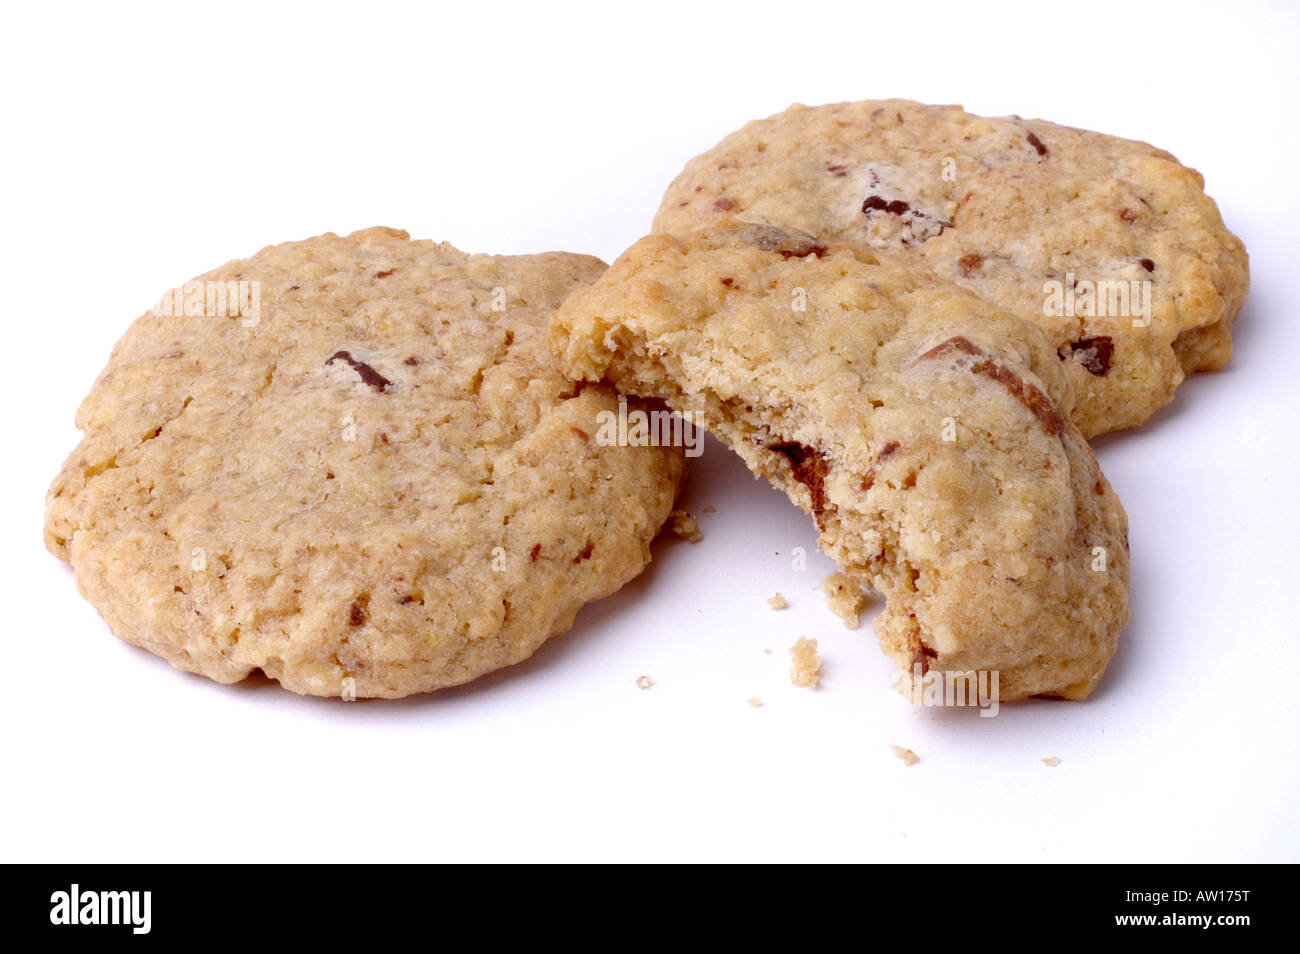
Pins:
x: 907, y: 755
x: 685, y: 526
x: 805, y: 665
x: 844, y: 597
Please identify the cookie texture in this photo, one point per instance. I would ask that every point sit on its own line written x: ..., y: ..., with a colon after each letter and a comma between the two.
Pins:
x: 383, y: 485
x: 1110, y: 246
x: 925, y: 429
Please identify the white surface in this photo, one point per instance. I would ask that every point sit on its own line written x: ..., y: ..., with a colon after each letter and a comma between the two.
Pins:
x: 144, y: 146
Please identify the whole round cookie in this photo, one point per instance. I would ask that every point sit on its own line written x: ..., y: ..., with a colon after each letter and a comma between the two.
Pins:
x: 1109, y: 245
x: 353, y: 464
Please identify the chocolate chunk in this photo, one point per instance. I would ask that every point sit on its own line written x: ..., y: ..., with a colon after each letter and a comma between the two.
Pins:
x: 412, y: 361
x: 1037, y: 144
x: 1034, y: 400
x: 368, y: 374
x: 356, y: 614
x: 809, y: 468
x: 969, y: 263
x: 1146, y: 263
x: 728, y: 282
x: 788, y: 243
x: 875, y: 203
x: 922, y: 657
x: 385, y: 274
x: 870, y: 478
x: 724, y: 204
x: 1094, y: 353
x: 535, y: 552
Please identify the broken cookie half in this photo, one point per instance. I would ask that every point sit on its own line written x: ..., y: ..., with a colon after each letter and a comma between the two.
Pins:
x: 925, y: 430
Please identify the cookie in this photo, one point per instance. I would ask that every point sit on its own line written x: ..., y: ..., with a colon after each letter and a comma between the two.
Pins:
x: 1109, y: 245
x: 925, y: 430
x: 375, y: 482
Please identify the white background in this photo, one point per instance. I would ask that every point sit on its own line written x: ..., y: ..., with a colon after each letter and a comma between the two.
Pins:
x: 145, y: 145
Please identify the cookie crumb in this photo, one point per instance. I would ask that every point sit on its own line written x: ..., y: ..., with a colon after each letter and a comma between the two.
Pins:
x: 755, y: 702
x: 685, y: 526
x: 805, y: 669
x: 710, y: 509
x: 768, y: 651
x: 1051, y: 761
x: 777, y: 602
x: 844, y: 598
x: 907, y: 755
x: 644, y: 682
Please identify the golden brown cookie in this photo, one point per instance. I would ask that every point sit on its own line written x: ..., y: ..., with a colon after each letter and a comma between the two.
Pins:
x: 925, y: 430
x: 360, y: 471
x: 1110, y: 246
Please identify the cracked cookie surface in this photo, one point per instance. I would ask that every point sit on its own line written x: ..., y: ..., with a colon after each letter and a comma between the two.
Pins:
x: 925, y: 430
x: 1028, y: 214
x: 384, y: 485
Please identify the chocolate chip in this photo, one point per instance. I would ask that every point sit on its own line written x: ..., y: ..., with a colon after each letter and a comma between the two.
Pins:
x: 1128, y: 215
x: 412, y: 361
x: 809, y: 468
x: 875, y: 203
x: 535, y: 552
x: 1037, y: 144
x: 838, y: 171
x: 1094, y: 353
x: 1034, y: 400
x: 385, y: 274
x: 728, y: 282
x: 870, y: 478
x: 724, y: 204
x: 368, y: 374
x: 970, y: 262
x: 356, y: 614
x: 786, y: 242
x: 1146, y: 263
x: 922, y: 657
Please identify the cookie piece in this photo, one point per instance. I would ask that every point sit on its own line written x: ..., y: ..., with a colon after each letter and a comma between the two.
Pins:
x: 921, y: 426
x: 382, y: 484
x: 1109, y: 245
